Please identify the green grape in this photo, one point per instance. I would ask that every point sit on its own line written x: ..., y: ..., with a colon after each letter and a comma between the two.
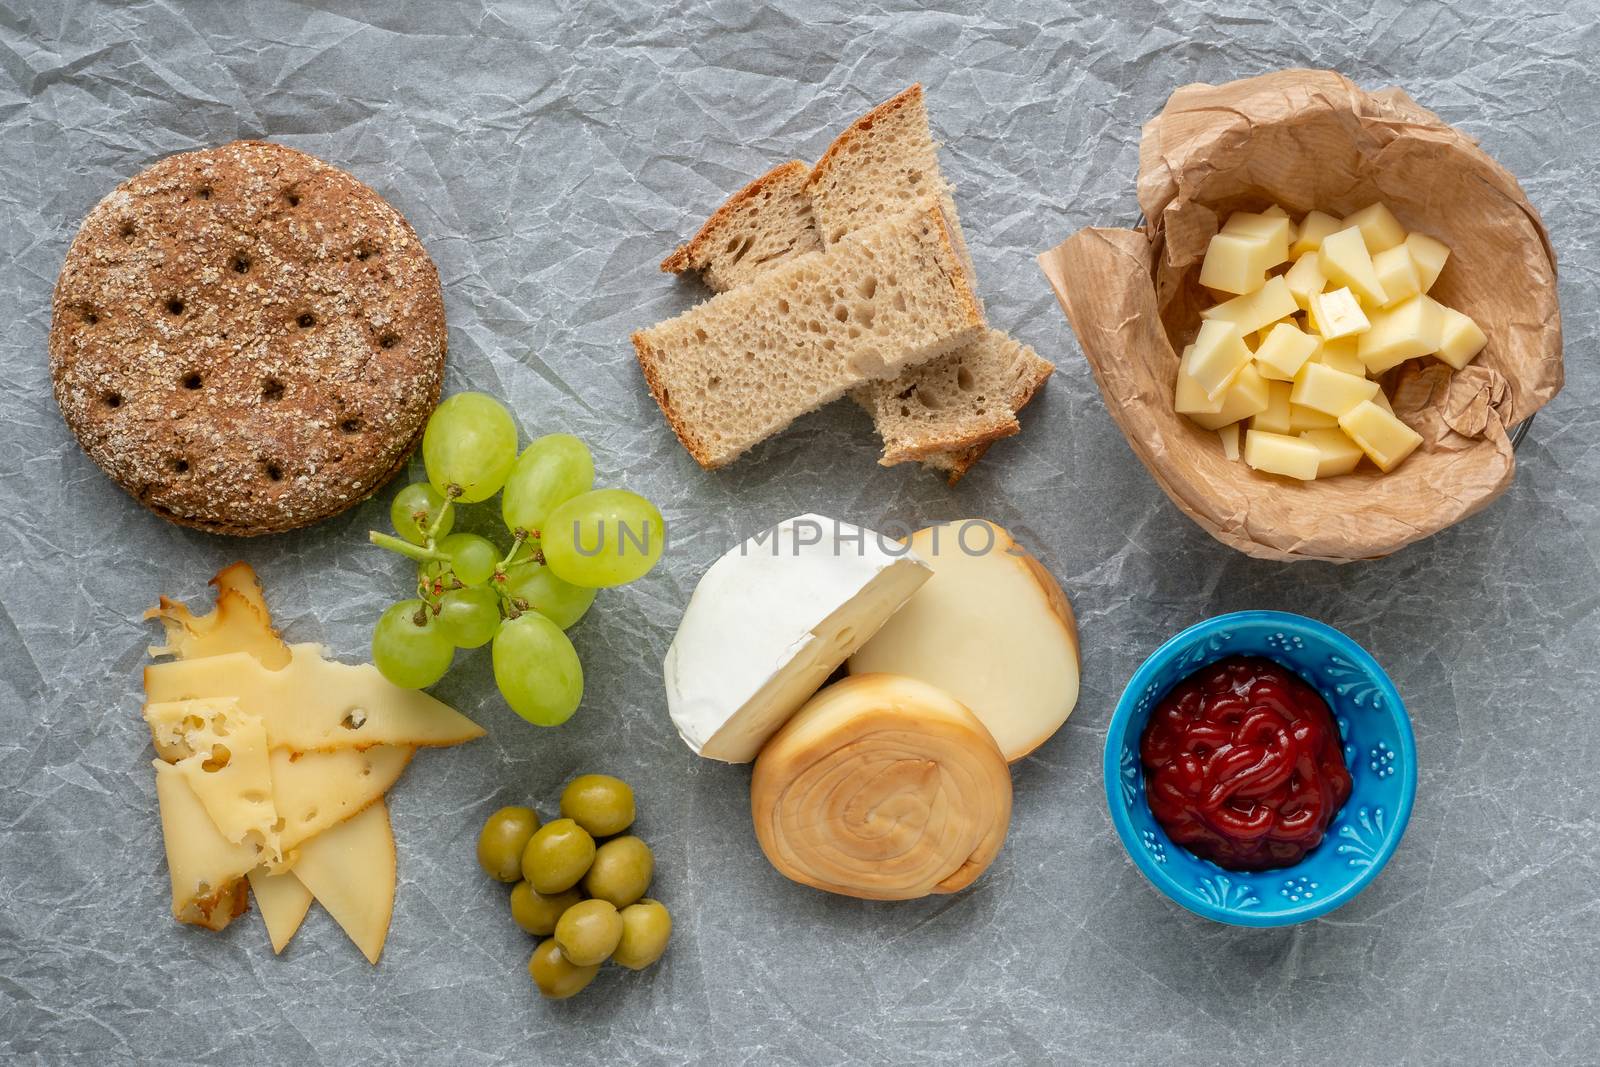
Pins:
x: 561, y: 602
x: 604, y: 538
x: 553, y: 469
x: 472, y: 559
x: 420, y: 498
x: 407, y: 654
x: 470, y: 442
x: 537, y: 669
x: 469, y: 617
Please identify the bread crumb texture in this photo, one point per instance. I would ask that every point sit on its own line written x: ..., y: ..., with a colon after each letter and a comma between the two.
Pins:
x: 247, y: 339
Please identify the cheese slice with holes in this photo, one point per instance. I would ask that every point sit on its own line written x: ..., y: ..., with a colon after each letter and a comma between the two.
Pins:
x: 771, y: 620
x: 315, y: 791
x: 283, y: 900
x: 207, y: 870
x: 315, y: 703
x: 240, y: 622
x: 221, y: 751
x: 350, y: 869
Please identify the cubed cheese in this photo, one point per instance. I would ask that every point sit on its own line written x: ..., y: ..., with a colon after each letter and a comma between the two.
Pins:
x: 1397, y: 272
x: 1410, y: 329
x: 1275, y: 453
x: 1189, y: 397
x: 1305, y: 279
x: 1339, y: 454
x: 1246, y: 397
x: 1284, y: 351
x: 1274, y: 418
x: 1336, y: 314
x: 1302, y: 418
x: 1383, y: 437
x: 1316, y: 226
x: 1460, y: 340
x: 1229, y: 436
x: 1274, y: 229
x: 1238, y: 262
x: 1330, y: 391
x: 1429, y: 256
x: 1341, y: 354
x: 1219, y: 355
x: 1253, y: 311
x: 1380, y: 230
x: 1345, y: 261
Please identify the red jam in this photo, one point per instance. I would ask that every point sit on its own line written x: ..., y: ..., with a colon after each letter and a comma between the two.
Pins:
x: 1244, y: 765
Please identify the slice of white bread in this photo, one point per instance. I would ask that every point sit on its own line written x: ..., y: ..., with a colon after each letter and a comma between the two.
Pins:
x: 766, y: 223
x: 738, y: 368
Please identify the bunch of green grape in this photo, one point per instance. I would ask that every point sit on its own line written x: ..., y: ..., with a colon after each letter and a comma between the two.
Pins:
x: 567, y: 540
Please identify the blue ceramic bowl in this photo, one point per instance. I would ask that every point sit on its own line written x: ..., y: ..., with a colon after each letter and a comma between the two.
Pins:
x: 1378, y: 749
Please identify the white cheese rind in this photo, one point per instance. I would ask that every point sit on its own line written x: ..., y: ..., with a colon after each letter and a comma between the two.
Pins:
x: 771, y: 620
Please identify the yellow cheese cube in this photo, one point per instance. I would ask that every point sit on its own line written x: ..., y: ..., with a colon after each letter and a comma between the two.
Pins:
x: 1429, y: 256
x: 1305, y: 279
x: 1276, y: 210
x: 1275, y: 453
x: 1274, y: 229
x: 1302, y: 418
x: 1190, y: 398
x: 1252, y: 311
x: 1380, y: 230
x: 1345, y: 261
x: 1229, y: 435
x: 1410, y: 329
x: 1246, y: 397
x: 1381, y: 399
x: 1330, y: 391
x: 1274, y: 418
x: 1286, y: 348
x: 1237, y: 262
x: 1397, y: 272
x: 1336, y: 313
x: 1313, y: 228
x: 1340, y: 354
x: 1339, y: 454
x: 1460, y: 340
x: 1218, y: 357
x: 1384, y: 438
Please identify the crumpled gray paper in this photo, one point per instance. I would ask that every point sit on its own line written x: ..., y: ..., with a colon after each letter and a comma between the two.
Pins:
x: 549, y: 155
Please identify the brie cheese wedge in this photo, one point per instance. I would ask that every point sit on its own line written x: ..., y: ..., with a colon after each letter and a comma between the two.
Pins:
x: 771, y: 620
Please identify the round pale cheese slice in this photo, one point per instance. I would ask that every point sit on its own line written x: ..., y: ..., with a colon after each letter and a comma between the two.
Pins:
x: 881, y: 787
x: 992, y: 628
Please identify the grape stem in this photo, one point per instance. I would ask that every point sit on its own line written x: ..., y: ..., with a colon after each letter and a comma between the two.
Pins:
x: 420, y: 553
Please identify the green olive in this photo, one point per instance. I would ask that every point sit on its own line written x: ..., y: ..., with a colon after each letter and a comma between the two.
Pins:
x: 558, y: 854
x: 501, y: 841
x: 621, y: 871
x: 538, y: 914
x: 599, y: 803
x: 556, y: 976
x: 588, y: 932
x: 646, y: 926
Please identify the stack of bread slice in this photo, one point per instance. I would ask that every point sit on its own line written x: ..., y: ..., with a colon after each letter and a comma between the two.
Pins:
x: 817, y: 298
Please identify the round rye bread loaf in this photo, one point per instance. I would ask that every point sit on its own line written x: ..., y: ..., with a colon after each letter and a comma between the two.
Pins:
x: 247, y: 339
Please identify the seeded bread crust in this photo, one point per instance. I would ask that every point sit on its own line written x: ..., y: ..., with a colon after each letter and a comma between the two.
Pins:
x: 247, y: 339
x: 766, y: 223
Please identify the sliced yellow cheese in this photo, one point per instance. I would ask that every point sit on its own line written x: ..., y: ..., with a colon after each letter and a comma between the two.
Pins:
x: 1246, y: 397
x: 239, y: 622
x: 1460, y: 338
x: 1383, y: 437
x: 1380, y: 230
x: 315, y: 703
x: 1397, y: 272
x: 1216, y: 357
x: 207, y: 870
x: 1410, y: 329
x: 1339, y: 454
x: 1314, y: 228
x: 1336, y: 313
x: 1257, y: 310
x: 1284, y: 352
x: 314, y: 791
x: 350, y: 869
x: 1330, y: 391
x: 283, y: 901
x: 1429, y: 256
x: 1345, y: 261
x: 1280, y: 454
x: 221, y: 751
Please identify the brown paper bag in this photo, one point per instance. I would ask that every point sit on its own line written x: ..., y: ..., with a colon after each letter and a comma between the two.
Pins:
x: 1310, y: 139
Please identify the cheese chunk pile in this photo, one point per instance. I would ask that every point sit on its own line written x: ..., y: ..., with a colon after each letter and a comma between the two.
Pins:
x: 1284, y: 368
